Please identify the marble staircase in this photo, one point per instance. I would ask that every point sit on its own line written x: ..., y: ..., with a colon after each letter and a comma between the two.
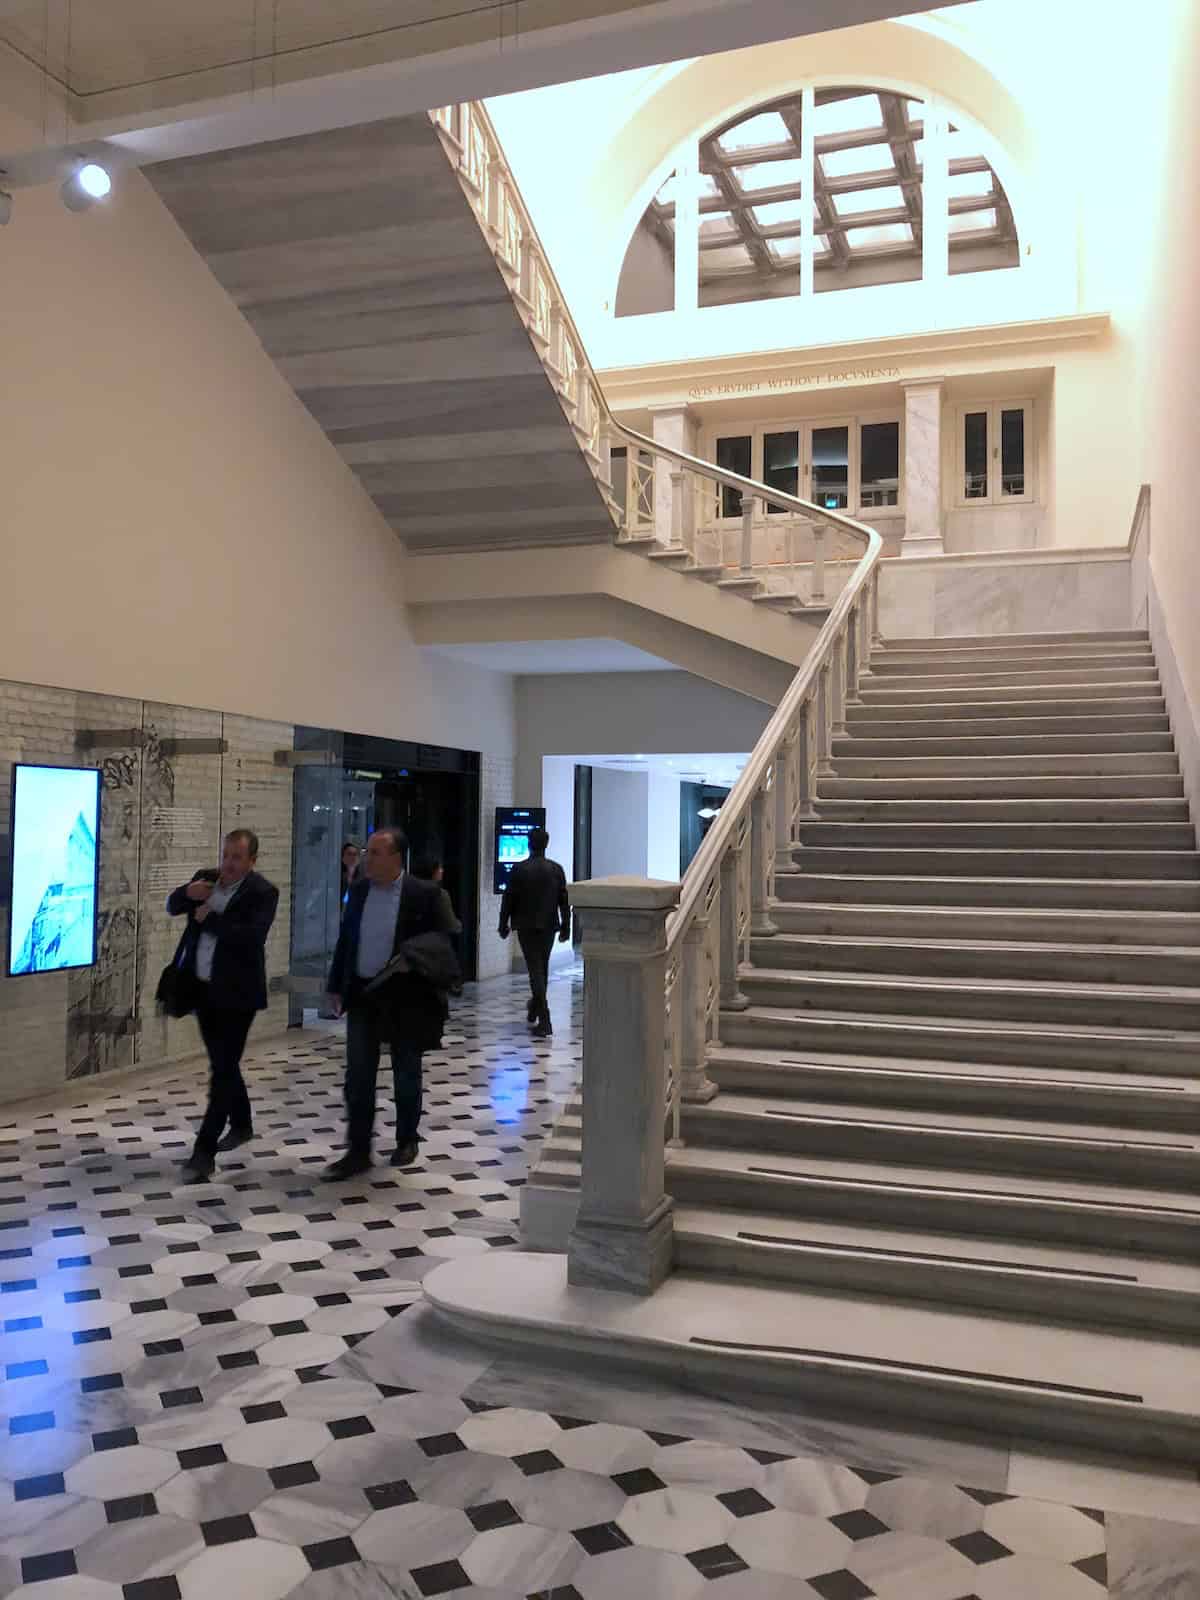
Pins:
x: 952, y: 1161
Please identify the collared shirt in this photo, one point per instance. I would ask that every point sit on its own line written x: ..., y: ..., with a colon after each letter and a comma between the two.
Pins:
x: 377, y: 933
x: 220, y: 897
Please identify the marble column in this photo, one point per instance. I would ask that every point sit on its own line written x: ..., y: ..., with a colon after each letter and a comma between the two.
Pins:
x: 623, y: 1237
x: 673, y: 498
x: 923, y: 469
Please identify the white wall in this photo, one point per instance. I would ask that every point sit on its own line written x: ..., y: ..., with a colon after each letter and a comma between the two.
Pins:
x: 662, y: 826
x: 619, y: 801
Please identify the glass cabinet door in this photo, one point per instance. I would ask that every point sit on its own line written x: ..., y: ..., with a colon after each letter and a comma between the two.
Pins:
x: 781, y: 464
x: 975, y: 455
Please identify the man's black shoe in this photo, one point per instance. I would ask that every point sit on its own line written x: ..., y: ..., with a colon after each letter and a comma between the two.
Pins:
x: 198, y: 1169
x: 234, y: 1139
x: 543, y: 1031
x: 405, y: 1154
x: 531, y: 1012
x: 349, y: 1166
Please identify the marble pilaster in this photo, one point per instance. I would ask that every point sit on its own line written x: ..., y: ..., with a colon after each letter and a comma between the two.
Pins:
x: 623, y: 1237
x: 674, y: 520
x: 923, y: 469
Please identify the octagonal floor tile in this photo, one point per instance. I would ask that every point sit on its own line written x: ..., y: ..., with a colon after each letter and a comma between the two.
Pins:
x: 283, y: 1439
x: 414, y: 1535
x: 637, y: 1570
x: 675, y: 1519
x: 520, y: 1556
x: 205, y: 1494
x: 898, y: 1566
x: 249, y: 1570
x: 566, y: 1500
x: 1038, y: 1528
x: 1029, y: 1578
x: 511, y: 1431
x: 791, y: 1543
x: 605, y: 1447
x: 706, y: 1465
x: 111, y: 1474
x: 145, y: 1547
x: 815, y: 1487
x: 925, y: 1506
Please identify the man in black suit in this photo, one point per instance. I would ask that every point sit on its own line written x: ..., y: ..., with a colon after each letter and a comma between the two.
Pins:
x: 535, y: 904
x: 386, y: 907
x: 223, y: 948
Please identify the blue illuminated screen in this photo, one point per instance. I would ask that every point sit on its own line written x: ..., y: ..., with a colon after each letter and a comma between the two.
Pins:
x: 55, y: 835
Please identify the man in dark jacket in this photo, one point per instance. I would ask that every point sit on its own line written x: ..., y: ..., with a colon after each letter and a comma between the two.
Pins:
x: 223, y: 948
x: 386, y: 909
x: 535, y: 904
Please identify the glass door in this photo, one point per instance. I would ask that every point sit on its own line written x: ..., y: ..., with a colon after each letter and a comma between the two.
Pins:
x: 827, y: 464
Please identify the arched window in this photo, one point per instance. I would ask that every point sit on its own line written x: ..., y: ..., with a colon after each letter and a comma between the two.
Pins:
x: 863, y: 165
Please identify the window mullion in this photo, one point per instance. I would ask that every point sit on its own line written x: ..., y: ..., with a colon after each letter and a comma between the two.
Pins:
x: 808, y: 188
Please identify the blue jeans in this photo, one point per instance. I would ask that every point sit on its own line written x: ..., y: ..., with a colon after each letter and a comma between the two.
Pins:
x: 366, y: 1031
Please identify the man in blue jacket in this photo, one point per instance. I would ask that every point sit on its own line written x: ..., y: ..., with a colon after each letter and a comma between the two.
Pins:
x: 385, y: 908
x: 223, y: 948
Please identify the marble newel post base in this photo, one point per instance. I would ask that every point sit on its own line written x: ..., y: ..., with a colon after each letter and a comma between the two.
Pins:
x: 923, y: 469
x: 623, y: 1237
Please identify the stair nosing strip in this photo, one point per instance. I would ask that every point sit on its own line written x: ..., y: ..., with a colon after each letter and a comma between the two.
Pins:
x: 985, y: 1194
x: 931, y: 1256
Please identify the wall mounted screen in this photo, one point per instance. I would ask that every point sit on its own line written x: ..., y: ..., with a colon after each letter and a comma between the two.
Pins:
x: 513, y: 826
x: 55, y: 834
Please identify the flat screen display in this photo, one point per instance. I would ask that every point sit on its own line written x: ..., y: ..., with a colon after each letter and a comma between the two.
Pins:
x: 55, y: 835
x: 514, y: 824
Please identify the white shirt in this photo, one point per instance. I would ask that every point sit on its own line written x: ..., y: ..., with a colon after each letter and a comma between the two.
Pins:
x: 220, y: 897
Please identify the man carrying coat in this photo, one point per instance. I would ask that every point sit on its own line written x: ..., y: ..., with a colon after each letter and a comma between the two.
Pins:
x: 388, y: 911
x: 222, y: 952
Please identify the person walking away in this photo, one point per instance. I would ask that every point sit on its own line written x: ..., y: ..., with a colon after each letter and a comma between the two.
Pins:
x: 387, y: 908
x: 535, y: 903
x: 230, y: 910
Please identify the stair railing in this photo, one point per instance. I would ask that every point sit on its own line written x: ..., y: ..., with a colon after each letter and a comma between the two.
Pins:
x: 660, y: 964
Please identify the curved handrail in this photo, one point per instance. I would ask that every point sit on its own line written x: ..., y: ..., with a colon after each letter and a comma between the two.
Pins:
x: 718, y: 839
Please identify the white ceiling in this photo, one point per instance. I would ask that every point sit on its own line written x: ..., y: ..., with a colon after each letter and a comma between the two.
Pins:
x: 537, y: 658
x: 706, y: 767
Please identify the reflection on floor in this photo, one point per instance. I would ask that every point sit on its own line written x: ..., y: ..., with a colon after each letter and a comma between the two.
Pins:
x: 234, y: 1390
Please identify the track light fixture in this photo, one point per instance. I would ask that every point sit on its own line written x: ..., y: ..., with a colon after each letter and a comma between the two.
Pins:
x: 87, y: 185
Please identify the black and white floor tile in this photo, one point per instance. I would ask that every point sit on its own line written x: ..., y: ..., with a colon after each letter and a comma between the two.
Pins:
x: 232, y: 1389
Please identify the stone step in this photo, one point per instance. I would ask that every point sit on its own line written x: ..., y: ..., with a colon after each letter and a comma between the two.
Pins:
x: 1050, y: 642
x: 856, y: 885
x: 1143, y: 966
x: 1163, y: 812
x: 1093, y: 842
x: 907, y: 1361
x: 1047, y: 746
x: 947, y: 862
x: 1073, y: 1212
x: 948, y: 1038
x: 1057, y: 1283
x: 974, y: 1141
x: 847, y: 764
x: 926, y: 787
x: 889, y: 663
x: 1009, y: 720
x: 1096, y: 929
x: 1128, y: 1099
x: 933, y: 684
x: 1116, y: 695
x: 1127, y: 1005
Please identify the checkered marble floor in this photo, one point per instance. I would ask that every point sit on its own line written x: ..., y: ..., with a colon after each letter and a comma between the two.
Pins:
x: 193, y: 1400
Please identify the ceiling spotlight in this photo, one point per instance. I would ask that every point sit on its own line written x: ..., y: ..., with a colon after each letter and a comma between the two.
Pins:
x: 5, y: 208
x: 86, y: 185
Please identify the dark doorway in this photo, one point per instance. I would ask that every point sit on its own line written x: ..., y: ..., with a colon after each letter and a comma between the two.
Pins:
x: 581, y: 859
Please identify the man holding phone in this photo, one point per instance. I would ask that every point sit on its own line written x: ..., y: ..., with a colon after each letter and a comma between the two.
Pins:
x: 230, y: 910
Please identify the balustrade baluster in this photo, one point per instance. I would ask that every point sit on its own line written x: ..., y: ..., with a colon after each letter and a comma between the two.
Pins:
x: 747, y: 561
x: 824, y: 721
x: 732, y: 998
x: 837, y: 679
x: 818, y: 578
x: 787, y: 789
x: 762, y: 857
x: 864, y: 633
x: 696, y: 1086
x: 852, y: 656
x: 805, y: 741
x: 677, y: 506
x: 876, y: 636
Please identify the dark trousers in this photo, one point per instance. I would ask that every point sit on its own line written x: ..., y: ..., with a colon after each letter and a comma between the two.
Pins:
x: 224, y: 1034
x: 367, y: 1029
x: 536, y: 945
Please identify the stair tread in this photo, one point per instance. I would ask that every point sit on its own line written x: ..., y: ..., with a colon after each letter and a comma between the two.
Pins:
x: 985, y: 946
x: 939, y: 985
x: 1174, y: 1090
x: 1078, y: 1031
x: 943, y: 1178
x: 1108, y: 1371
x: 985, y: 880
x: 729, y: 1222
x: 751, y: 1105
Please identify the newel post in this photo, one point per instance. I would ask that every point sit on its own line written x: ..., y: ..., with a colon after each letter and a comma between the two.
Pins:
x: 623, y: 1237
